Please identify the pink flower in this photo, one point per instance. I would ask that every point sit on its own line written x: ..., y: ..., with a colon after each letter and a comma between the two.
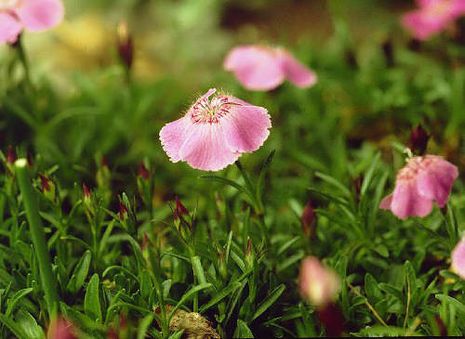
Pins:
x: 458, y: 259
x: 422, y: 181
x: 61, y: 329
x: 432, y: 17
x: 215, y: 131
x: 33, y: 15
x: 261, y: 68
x: 318, y: 284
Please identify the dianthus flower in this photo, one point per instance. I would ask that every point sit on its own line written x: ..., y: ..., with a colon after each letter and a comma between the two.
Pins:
x: 215, y: 131
x: 458, y: 259
x: 422, y: 181
x: 263, y: 68
x: 60, y: 328
x: 33, y: 15
x: 318, y: 284
x: 432, y: 17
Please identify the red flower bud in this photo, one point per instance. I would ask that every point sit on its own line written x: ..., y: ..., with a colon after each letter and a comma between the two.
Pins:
x: 44, y: 183
x: 11, y: 155
x: 122, y: 211
x: 86, y: 191
x: 308, y: 219
x: 125, y: 45
x: 180, y: 210
x: 143, y: 172
x: 418, y: 140
x: 61, y: 329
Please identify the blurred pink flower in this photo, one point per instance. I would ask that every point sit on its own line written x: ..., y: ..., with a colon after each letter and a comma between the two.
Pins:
x: 33, y: 15
x: 61, y: 329
x: 432, y: 17
x: 215, y: 131
x: 419, y: 183
x: 458, y: 259
x: 318, y: 284
x: 262, y: 68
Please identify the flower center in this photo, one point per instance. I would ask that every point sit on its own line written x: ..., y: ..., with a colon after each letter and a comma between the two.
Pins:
x: 210, y: 110
x: 8, y: 4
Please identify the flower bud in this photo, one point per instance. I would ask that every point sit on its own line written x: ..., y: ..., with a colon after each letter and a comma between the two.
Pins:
x: 318, y: 284
x: 61, y: 329
x: 388, y: 51
x: 47, y: 187
x: 11, y: 156
x: 333, y: 320
x: 308, y: 219
x: 143, y: 172
x: 180, y: 210
x: 125, y: 45
x: 418, y: 140
x: 122, y: 211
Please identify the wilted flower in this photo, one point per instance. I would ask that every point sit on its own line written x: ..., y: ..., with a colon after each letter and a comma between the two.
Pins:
x: 424, y: 180
x: 263, y: 68
x: 318, y: 283
x: 61, y: 329
x: 33, y: 15
x: 458, y: 259
x: 432, y: 17
x: 215, y: 131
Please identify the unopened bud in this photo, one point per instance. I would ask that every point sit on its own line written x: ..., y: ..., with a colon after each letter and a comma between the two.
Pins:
x: 180, y: 210
x: 333, y: 320
x: 86, y: 192
x: 318, y: 284
x: 249, y: 253
x: 61, y: 329
x: 419, y: 140
x: 388, y: 51
x: 143, y: 172
x: 122, y: 211
x: 47, y: 187
x: 11, y: 156
x: 308, y: 219
x: 125, y: 45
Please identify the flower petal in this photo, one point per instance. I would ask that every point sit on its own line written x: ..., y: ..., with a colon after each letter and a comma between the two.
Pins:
x: 173, y: 135
x: 407, y: 202
x: 296, y: 72
x: 386, y: 202
x: 10, y: 28
x: 38, y: 15
x: 437, y: 183
x: 205, y: 148
x: 257, y: 68
x: 458, y: 259
x: 246, y: 127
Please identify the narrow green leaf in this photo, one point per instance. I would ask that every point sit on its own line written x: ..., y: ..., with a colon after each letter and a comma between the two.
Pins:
x: 13, y: 301
x: 80, y: 273
x: 269, y: 301
x: 242, y: 330
x: 221, y: 295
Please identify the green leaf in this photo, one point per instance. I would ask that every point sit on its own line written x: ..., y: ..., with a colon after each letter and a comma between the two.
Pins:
x: 13, y: 301
x: 144, y: 325
x: 188, y: 295
x: 92, y: 299
x: 453, y: 302
x: 221, y: 295
x: 269, y: 301
x: 80, y: 273
x: 242, y: 330
x: 13, y: 326
x: 30, y: 326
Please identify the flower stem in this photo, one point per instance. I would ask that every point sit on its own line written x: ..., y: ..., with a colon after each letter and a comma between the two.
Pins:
x: 29, y: 198
x: 23, y: 57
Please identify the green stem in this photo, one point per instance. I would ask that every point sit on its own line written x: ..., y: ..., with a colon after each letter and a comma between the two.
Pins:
x: 29, y: 198
x: 23, y: 57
